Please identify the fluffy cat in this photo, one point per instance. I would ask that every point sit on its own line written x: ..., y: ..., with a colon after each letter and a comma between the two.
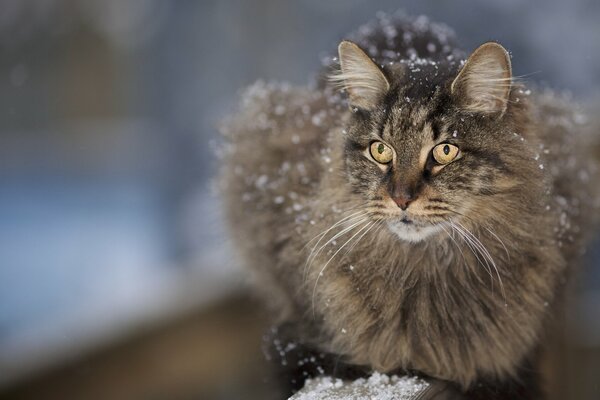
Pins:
x: 424, y: 220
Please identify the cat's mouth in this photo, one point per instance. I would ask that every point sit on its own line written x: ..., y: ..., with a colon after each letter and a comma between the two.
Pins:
x: 406, y: 221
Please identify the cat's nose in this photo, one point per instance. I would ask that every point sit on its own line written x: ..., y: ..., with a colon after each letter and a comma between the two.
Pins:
x: 403, y: 200
x: 404, y: 190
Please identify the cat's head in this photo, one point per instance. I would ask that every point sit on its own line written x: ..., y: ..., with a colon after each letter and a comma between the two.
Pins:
x: 430, y: 143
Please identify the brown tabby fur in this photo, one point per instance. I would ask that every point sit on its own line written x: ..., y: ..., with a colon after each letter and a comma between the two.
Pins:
x: 525, y: 187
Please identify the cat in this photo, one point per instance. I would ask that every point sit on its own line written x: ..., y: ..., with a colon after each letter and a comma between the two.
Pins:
x: 413, y: 210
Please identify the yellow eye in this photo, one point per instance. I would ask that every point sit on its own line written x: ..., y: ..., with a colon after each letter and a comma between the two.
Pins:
x: 445, y: 153
x: 381, y: 152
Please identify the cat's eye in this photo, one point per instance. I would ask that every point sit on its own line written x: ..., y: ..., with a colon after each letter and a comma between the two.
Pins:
x: 381, y: 152
x: 444, y: 153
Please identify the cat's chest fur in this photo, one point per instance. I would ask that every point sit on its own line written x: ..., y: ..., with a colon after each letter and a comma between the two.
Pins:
x: 391, y: 304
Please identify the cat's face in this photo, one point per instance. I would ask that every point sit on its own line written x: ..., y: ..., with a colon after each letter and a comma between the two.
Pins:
x: 428, y: 154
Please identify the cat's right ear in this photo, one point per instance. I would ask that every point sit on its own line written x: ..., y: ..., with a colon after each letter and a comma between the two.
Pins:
x: 360, y: 76
x: 485, y: 81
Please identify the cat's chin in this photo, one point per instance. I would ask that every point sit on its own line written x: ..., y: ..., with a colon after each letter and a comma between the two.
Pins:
x: 410, y: 232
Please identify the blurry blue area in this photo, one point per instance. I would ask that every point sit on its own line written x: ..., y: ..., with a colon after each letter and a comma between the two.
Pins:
x: 63, y: 244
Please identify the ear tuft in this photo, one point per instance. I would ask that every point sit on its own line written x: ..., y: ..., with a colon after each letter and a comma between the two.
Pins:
x: 484, y: 83
x: 360, y: 76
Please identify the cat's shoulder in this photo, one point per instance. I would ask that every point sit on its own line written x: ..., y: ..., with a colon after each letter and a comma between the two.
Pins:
x: 281, y: 116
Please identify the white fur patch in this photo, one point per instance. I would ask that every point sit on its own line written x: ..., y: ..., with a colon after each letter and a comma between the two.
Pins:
x: 412, y: 233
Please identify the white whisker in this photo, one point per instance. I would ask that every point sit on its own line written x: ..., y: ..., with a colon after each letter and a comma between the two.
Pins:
x: 331, y: 258
x: 469, y: 242
x: 486, y: 254
x: 499, y: 240
x: 314, y: 255
x: 441, y: 225
x: 361, y: 236
x: 333, y: 226
x: 347, y: 219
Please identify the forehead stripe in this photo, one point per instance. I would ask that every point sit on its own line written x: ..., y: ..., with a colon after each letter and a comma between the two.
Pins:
x: 436, y: 130
x: 386, y: 123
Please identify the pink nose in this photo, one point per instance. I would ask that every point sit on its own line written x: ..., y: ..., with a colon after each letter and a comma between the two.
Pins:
x: 403, y: 201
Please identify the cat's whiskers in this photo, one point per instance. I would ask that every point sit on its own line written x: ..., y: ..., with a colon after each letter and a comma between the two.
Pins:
x: 486, y: 228
x: 469, y: 242
x: 377, y: 223
x: 314, y: 255
x: 486, y: 254
x: 499, y: 240
x: 475, y: 242
x: 352, y: 221
x: 320, y: 235
x: 451, y: 236
x: 441, y: 225
x: 490, y: 231
x: 366, y: 225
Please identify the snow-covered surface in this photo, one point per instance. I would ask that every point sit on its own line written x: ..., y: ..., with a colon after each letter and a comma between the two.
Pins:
x: 376, y: 387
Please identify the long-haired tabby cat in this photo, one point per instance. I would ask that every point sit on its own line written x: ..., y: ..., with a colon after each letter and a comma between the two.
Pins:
x: 425, y: 218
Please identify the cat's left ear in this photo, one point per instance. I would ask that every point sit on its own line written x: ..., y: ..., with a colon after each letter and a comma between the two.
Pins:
x: 361, y: 77
x: 484, y: 83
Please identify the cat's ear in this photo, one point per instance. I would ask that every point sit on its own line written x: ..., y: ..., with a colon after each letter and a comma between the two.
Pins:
x: 360, y: 76
x: 484, y: 82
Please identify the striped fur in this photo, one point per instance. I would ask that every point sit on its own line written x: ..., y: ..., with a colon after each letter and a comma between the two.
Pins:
x: 496, y: 232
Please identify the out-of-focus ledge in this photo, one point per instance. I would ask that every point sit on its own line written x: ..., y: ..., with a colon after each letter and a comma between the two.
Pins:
x: 76, y: 336
x: 210, y: 352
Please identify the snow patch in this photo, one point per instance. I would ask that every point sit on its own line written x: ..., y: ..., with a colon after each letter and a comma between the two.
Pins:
x: 376, y: 387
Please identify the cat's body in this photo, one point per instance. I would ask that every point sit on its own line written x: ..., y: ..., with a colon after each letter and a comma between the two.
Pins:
x: 465, y: 301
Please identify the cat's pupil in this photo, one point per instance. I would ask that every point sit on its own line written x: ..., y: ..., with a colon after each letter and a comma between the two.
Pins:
x: 380, y: 148
x: 446, y: 149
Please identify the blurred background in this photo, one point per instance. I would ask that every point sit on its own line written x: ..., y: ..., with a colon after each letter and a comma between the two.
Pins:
x: 116, y: 278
